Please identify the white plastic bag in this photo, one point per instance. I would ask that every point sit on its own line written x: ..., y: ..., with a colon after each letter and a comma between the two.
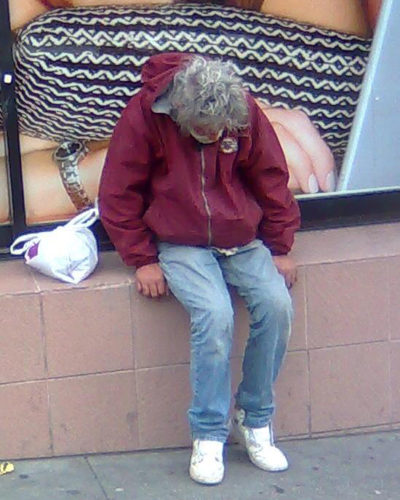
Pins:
x: 68, y: 253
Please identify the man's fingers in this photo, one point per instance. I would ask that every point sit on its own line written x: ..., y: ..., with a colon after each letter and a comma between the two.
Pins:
x: 161, y: 288
x: 150, y: 281
x: 291, y: 279
x: 153, y: 289
x: 287, y: 268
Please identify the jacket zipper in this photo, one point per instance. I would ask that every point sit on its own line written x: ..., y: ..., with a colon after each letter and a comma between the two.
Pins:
x: 203, y: 193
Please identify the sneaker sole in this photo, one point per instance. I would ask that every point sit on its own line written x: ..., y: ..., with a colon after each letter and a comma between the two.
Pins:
x: 202, y: 480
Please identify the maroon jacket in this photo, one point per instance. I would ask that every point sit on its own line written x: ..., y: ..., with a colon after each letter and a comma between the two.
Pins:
x: 158, y: 184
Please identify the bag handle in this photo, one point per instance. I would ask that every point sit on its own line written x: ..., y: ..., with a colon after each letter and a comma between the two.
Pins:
x: 26, y: 240
x: 86, y: 218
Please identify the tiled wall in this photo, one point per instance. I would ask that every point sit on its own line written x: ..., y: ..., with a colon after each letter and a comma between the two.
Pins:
x: 97, y: 368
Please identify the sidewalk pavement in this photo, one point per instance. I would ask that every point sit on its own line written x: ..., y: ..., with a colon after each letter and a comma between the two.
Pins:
x: 362, y: 467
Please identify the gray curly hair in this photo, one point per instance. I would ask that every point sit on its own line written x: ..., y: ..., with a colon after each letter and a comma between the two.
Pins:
x: 209, y: 94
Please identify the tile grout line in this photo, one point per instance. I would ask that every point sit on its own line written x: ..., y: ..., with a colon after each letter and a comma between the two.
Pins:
x: 132, y: 309
x: 389, y: 337
x: 46, y: 368
x: 308, y: 355
x: 133, y: 324
x: 72, y: 376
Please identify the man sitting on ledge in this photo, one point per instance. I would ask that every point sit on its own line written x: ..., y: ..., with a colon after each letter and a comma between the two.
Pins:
x: 194, y: 195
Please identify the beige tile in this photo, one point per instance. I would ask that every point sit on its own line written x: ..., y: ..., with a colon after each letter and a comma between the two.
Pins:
x: 163, y: 400
x: 347, y: 243
x: 163, y: 423
x: 47, y: 284
x: 88, y: 331
x: 110, y: 270
x: 393, y: 265
x: 349, y: 387
x: 292, y: 396
x: 354, y: 431
x: 241, y: 325
x: 24, y: 421
x: 162, y: 331
x: 347, y: 303
x: 298, y: 339
x: 16, y: 277
x: 236, y: 376
x: 94, y: 413
x: 21, y: 352
x: 395, y: 380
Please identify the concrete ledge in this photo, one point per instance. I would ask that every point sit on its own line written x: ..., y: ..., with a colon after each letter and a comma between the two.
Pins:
x: 97, y: 368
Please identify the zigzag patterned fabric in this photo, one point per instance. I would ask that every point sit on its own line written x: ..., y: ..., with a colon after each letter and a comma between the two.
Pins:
x: 77, y: 68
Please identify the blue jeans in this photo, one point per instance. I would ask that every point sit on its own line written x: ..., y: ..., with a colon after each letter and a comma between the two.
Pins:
x: 198, y: 278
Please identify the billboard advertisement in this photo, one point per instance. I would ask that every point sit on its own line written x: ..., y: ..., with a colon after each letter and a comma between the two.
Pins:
x: 322, y: 71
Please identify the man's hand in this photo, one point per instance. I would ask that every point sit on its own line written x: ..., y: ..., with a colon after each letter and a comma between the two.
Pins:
x: 150, y: 281
x: 287, y: 268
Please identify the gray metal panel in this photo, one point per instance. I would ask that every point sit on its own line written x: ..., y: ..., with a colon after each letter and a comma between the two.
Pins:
x: 372, y: 158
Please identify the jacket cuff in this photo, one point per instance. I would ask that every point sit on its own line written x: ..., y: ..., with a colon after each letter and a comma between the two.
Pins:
x: 140, y: 261
x: 276, y: 253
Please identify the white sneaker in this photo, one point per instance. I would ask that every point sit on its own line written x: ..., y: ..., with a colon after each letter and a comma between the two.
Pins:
x: 259, y: 443
x: 206, y: 463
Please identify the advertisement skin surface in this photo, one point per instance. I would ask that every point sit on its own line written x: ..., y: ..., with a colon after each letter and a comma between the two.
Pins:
x: 313, y: 159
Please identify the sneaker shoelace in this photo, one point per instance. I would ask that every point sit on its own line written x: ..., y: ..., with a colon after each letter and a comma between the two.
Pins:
x: 261, y: 436
x: 206, y: 451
